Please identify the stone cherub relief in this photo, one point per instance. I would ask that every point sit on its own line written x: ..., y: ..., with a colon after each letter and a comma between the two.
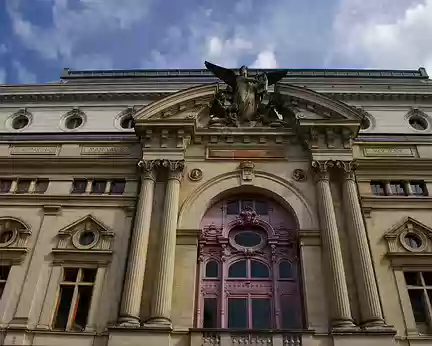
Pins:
x: 246, y: 101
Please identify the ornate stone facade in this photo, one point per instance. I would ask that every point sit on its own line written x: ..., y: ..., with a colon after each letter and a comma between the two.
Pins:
x: 145, y: 208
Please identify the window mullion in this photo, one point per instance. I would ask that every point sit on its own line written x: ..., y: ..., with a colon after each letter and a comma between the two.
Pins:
x: 73, y: 308
x: 429, y: 307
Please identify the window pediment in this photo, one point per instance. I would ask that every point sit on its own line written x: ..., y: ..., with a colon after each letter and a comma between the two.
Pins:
x: 409, y: 243
x: 13, y: 239
x: 85, y: 239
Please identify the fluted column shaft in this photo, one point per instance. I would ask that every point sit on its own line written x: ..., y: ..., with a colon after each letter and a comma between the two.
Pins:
x: 370, y: 308
x: 339, y: 300
x: 162, y: 295
x: 134, y: 279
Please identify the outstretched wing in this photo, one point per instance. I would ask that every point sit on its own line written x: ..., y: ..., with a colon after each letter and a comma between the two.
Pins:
x: 227, y: 75
x: 274, y: 77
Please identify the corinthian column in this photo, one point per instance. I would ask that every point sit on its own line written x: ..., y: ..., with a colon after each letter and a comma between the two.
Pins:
x: 162, y: 295
x: 134, y: 279
x: 339, y: 300
x: 370, y: 308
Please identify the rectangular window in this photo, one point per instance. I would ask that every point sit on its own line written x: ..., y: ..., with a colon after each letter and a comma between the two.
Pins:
x: 98, y: 186
x: 419, y: 285
x: 233, y: 208
x: 237, y: 313
x: 397, y: 188
x: 4, y: 273
x: 261, y: 313
x: 117, y: 187
x: 210, y: 313
x: 23, y: 186
x: 289, y: 318
x: 74, y: 300
x: 5, y: 185
x: 378, y: 188
x: 419, y: 188
x: 41, y: 185
x: 79, y: 185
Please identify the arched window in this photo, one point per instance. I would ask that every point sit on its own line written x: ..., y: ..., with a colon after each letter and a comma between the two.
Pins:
x: 252, y: 284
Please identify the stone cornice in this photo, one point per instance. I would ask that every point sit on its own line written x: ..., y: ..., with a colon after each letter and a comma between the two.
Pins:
x: 396, y: 202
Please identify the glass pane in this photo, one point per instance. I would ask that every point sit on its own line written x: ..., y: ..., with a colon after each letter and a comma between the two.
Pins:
x: 212, y: 269
x: 289, y: 313
x: 412, y: 278
x: 98, y: 186
x: 247, y: 239
x: 418, y: 305
x: 247, y: 203
x: 261, y: 314
x: 237, y: 270
x: 23, y: 186
x: 237, y: 313
x: 88, y: 275
x: 285, y: 270
x: 261, y: 208
x: 79, y: 186
x: 83, y: 306
x: 117, y: 187
x: 259, y: 270
x: 413, y: 241
x: 66, y: 293
x: 233, y: 208
x: 70, y: 274
x: 4, y: 272
x: 6, y: 236
x: 41, y: 186
x: 210, y: 313
x: 427, y: 277
x: 5, y: 186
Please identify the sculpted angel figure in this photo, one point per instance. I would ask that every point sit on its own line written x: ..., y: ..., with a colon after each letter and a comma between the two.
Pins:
x: 248, y: 92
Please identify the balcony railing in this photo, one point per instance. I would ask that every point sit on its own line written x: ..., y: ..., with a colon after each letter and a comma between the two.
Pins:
x: 226, y: 337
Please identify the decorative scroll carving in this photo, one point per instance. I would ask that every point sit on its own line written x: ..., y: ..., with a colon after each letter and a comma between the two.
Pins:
x: 321, y: 169
x: 148, y: 168
x: 348, y: 168
x: 248, y: 216
x: 247, y: 168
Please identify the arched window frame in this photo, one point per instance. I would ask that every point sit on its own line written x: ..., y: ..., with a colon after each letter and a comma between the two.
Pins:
x: 217, y: 244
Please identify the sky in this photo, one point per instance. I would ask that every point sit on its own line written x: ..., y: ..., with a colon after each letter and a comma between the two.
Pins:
x: 39, y: 38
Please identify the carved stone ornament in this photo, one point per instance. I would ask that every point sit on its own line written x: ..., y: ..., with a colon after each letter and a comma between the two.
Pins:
x: 248, y: 216
x: 246, y: 101
x: 299, y: 175
x: 247, y: 170
x: 321, y: 169
x: 195, y: 174
x: 348, y: 168
x: 13, y: 240
x: 148, y: 168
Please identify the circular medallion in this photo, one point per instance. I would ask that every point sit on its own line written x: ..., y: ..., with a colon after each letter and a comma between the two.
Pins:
x: 299, y: 175
x: 195, y: 174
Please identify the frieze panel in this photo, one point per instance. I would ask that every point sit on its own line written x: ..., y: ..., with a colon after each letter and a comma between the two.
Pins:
x: 104, y: 150
x: 34, y: 150
x: 389, y: 152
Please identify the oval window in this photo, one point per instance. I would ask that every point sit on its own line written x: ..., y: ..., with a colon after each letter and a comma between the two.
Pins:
x: 247, y: 239
x: 86, y: 238
x: 413, y: 241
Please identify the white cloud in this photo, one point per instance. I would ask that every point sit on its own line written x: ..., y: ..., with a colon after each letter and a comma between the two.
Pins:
x: 3, y: 49
x: 24, y: 76
x: 2, y: 76
x: 265, y: 59
x: 395, y: 36
x: 71, y: 27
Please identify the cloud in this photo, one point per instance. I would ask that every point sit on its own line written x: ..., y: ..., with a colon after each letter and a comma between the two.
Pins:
x: 3, y: 49
x: 395, y: 35
x: 2, y: 76
x: 24, y: 76
x: 265, y: 59
x: 73, y: 30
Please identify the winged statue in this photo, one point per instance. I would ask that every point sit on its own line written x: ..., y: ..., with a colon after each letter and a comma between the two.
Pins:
x: 247, y: 93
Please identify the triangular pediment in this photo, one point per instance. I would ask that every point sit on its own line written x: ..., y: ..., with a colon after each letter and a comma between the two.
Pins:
x: 408, y: 224
x: 88, y: 222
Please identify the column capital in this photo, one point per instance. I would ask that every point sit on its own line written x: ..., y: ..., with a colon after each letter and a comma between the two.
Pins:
x: 148, y: 168
x: 348, y: 168
x: 321, y: 169
x: 175, y: 168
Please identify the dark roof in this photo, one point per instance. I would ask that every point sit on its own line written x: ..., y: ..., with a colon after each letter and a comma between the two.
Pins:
x: 203, y: 73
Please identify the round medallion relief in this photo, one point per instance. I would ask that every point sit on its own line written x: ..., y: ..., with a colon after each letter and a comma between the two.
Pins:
x: 195, y: 174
